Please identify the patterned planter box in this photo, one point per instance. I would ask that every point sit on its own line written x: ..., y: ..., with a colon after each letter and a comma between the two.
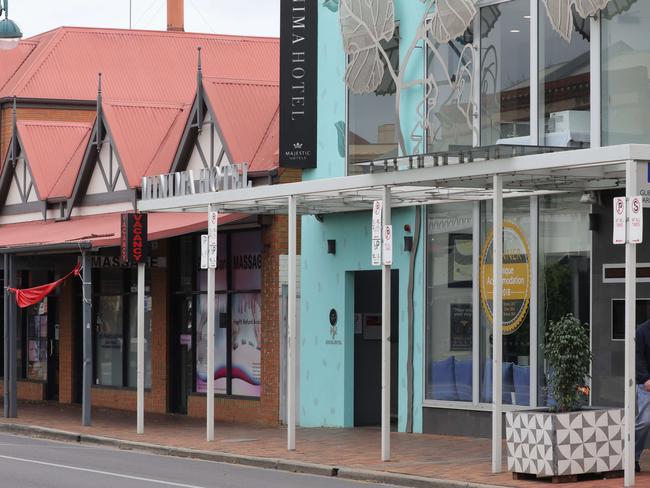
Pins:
x: 550, y: 444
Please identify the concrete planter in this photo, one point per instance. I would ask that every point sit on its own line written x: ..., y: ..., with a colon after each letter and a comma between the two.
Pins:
x: 550, y: 444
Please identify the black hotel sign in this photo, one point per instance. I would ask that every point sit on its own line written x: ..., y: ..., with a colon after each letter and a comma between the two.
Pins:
x: 298, y: 45
x: 134, y: 243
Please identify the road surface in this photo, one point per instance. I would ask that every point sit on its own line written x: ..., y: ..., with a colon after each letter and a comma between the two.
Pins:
x: 37, y: 463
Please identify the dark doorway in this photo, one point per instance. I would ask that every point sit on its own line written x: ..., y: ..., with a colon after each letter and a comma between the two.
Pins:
x: 182, y: 352
x: 52, y: 387
x: 367, y: 346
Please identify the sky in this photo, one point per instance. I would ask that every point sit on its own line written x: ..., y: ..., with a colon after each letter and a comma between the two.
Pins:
x: 246, y: 17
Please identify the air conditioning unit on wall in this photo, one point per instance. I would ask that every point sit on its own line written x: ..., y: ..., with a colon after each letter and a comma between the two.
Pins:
x: 571, y: 121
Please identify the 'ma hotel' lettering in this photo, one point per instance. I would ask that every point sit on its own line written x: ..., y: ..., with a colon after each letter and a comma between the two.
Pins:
x: 298, y: 59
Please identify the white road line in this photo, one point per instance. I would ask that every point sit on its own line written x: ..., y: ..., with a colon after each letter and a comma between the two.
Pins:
x: 96, y: 471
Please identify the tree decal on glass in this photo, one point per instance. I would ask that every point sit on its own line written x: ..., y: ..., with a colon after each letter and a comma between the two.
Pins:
x: 366, y: 28
x: 560, y: 13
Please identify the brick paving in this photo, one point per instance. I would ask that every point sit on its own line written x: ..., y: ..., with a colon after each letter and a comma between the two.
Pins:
x: 446, y: 457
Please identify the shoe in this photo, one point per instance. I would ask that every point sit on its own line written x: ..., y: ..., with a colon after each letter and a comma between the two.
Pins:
x: 637, y: 467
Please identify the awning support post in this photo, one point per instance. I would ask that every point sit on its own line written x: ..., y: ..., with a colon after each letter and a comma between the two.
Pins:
x: 630, y: 335
x: 10, y: 388
x: 497, y: 319
x: 210, y: 367
x: 87, y: 293
x: 7, y: 301
x: 292, y: 329
x: 140, y: 367
x: 385, y: 338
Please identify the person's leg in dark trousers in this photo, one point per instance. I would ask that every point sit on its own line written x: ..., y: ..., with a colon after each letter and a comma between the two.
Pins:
x: 642, y: 427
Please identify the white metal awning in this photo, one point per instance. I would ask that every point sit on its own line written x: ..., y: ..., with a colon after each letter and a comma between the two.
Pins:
x: 436, y: 180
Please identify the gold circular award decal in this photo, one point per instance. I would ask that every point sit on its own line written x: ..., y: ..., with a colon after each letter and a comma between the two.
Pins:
x: 516, y: 278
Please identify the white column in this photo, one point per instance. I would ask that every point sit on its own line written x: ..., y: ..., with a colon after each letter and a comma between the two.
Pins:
x: 140, y: 367
x: 385, y: 340
x: 630, y: 335
x: 536, y: 95
x: 534, y: 316
x: 595, y: 68
x: 291, y: 329
x: 210, y: 367
x: 497, y: 332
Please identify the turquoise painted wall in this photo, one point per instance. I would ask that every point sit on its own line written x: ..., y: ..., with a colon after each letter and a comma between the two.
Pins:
x: 327, y: 370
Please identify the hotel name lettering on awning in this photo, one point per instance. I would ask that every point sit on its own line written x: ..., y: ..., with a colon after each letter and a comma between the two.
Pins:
x: 185, y: 183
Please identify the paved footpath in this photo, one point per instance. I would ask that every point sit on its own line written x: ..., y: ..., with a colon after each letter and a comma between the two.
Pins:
x: 417, y: 459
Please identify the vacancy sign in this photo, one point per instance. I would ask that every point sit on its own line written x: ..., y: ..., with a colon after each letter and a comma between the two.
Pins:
x: 635, y: 231
x: 628, y: 220
x: 377, y: 208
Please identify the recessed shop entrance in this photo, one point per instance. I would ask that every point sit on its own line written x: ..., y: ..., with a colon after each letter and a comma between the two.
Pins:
x: 367, y: 346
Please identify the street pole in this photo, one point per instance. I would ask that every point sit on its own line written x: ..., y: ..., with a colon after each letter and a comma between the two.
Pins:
x: 87, y: 291
x: 497, y: 319
x: 385, y: 338
x: 140, y: 367
x: 210, y: 345
x: 630, y: 332
x: 13, y: 321
x: 291, y: 329
x: 7, y: 301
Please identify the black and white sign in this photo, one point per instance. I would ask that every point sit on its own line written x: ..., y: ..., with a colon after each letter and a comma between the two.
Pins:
x: 298, y: 48
x: 212, y: 239
x: 204, y: 251
x: 635, y: 223
x: 387, y: 253
x: 619, y: 220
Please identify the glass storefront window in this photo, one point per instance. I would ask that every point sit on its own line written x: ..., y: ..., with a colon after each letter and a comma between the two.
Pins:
x: 37, y: 341
x: 110, y: 340
x: 449, y: 303
x: 451, y: 119
x: 516, y: 302
x: 564, y: 77
x: 564, y: 267
x: 220, y: 345
x: 133, y: 342
x: 626, y: 74
x: 371, y: 133
x: 505, y: 73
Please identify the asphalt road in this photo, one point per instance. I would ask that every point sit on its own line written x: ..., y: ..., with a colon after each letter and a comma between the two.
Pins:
x: 37, y: 463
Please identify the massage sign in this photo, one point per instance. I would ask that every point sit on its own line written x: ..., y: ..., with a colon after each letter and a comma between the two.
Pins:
x: 134, y: 245
x: 516, y: 278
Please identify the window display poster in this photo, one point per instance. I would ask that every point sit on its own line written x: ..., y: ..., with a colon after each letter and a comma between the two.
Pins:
x: 246, y: 343
x: 220, y: 372
x: 460, y: 318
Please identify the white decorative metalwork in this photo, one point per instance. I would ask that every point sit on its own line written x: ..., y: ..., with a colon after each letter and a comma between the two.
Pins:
x: 451, y: 21
x: 560, y: 13
x: 366, y: 28
x: 364, y: 24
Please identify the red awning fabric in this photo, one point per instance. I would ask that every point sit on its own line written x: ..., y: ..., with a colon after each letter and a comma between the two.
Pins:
x: 102, y: 230
x: 31, y: 296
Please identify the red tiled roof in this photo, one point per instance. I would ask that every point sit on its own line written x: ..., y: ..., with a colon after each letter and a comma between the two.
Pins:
x: 142, y: 66
x: 103, y: 230
x: 244, y: 110
x: 54, y: 151
x: 267, y: 156
x: 13, y: 59
x: 146, y: 136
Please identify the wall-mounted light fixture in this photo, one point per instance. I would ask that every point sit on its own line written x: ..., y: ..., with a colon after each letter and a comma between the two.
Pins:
x: 408, y: 243
x: 331, y: 246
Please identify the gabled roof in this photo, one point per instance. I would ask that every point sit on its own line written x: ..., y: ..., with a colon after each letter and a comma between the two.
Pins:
x: 145, y: 136
x: 13, y: 59
x: 54, y: 151
x: 141, y: 66
x: 267, y: 156
x: 245, y: 111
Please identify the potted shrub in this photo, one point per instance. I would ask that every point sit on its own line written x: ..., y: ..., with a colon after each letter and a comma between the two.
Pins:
x: 567, y: 438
